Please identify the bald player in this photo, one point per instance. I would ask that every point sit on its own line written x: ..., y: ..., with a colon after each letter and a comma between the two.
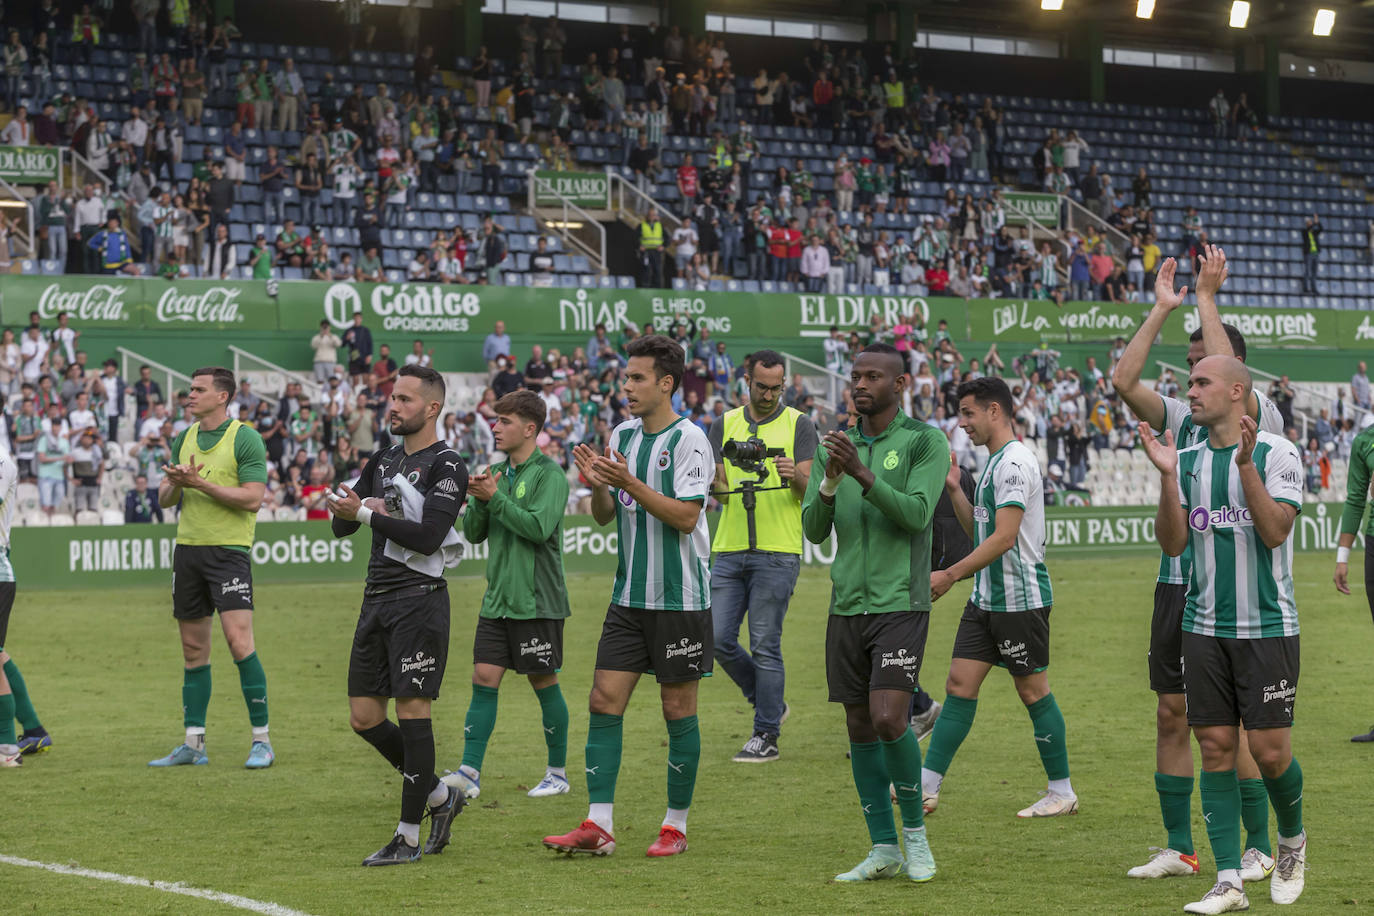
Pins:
x: 1233, y: 498
x: 1173, y: 756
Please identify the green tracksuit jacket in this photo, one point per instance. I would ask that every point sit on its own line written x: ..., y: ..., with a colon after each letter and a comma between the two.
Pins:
x: 1357, y: 484
x: 524, y: 523
x: 882, y: 558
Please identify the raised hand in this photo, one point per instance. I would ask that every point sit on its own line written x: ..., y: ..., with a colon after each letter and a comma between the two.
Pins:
x: 1212, y: 270
x: 1163, y: 455
x: 1165, y: 296
x: 1249, y: 432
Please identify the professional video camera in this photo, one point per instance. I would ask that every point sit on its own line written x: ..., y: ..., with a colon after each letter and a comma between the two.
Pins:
x: 749, y: 455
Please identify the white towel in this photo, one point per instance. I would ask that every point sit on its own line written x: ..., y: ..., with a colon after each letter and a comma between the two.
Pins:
x: 449, y: 554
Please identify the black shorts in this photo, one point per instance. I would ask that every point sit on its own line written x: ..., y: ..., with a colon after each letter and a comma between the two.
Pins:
x: 867, y: 652
x: 400, y: 647
x: 1017, y: 640
x: 6, y: 605
x: 1253, y: 682
x: 209, y: 579
x: 1166, y: 638
x: 673, y: 646
x: 523, y: 646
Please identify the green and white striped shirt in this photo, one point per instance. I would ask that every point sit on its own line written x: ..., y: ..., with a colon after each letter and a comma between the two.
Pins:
x: 660, y: 568
x: 1179, y: 418
x: 1018, y: 580
x: 167, y: 215
x: 9, y: 486
x: 1240, y: 588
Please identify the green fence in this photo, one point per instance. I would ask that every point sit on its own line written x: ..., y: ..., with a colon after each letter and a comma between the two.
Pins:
x: 133, y: 555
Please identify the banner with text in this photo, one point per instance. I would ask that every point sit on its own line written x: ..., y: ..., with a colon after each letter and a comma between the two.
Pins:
x: 190, y: 306
x: 134, y: 555
x: 30, y: 164
x: 586, y: 189
x: 1043, y: 208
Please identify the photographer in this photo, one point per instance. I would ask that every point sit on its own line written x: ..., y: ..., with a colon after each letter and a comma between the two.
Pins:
x: 763, y: 454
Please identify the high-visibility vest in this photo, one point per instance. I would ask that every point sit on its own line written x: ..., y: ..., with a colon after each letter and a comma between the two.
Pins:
x: 651, y: 234
x: 777, y: 513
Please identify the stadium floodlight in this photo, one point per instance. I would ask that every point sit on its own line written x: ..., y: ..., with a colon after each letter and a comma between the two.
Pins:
x: 1144, y: 9
x: 1321, y: 26
x: 1240, y: 14
x: 1053, y: 6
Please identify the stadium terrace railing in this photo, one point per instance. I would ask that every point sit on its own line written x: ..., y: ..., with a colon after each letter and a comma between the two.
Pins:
x: 169, y: 378
x: 27, y: 236
x: 1046, y: 234
x: 640, y: 202
x: 244, y: 363
x: 543, y: 188
x: 1076, y: 216
x: 834, y: 382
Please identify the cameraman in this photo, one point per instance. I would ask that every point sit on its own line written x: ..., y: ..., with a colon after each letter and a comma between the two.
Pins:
x: 758, y: 553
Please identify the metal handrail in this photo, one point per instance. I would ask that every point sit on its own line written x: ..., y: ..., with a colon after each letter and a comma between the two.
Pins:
x: 836, y: 382
x: 171, y: 375
x: 30, y: 238
x: 307, y: 383
x: 621, y: 185
x: 1121, y: 240
x: 569, y: 209
x: 1062, y: 266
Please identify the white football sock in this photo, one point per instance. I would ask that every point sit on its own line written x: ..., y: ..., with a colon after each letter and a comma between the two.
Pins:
x: 195, y: 738
x: 438, y: 795
x: 931, y: 781
x: 599, y: 813
x: 677, y: 819
x: 260, y: 734
x: 560, y: 772
x: 411, y: 832
x: 1229, y: 876
x: 1062, y: 787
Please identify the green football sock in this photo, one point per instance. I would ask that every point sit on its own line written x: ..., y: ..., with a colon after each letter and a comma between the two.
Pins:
x: 903, y: 760
x: 870, y: 777
x: 195, y: 696
x: 7, y: 718
x: 1286, y: 794
x: 23, y: 708
x: 253, y: 683
x: 684, y: 751
x: 950, y: 731
x: 1254, y: 814
x: 1221, y: 809
x: 478, y: 726
x: 1176, y: 805
x: 604, y: 736
x: 1050, y: 739
x: 555, y: 715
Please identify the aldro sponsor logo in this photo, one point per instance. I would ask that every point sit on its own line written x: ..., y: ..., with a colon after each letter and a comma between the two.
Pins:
x: 1202, y: 518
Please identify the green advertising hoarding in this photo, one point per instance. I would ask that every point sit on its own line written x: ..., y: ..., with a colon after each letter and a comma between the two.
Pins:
x: 30, y: 164
x: 1034, y: 320
x: 1043, y: 208
x: 586, y: 189
x: 468, y: 312
x: 134, y: 555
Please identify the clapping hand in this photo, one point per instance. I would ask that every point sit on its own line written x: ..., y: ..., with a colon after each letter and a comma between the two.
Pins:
x: 1163, y: 455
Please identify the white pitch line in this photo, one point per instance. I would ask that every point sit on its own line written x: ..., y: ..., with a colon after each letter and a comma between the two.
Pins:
x: 171, y: 887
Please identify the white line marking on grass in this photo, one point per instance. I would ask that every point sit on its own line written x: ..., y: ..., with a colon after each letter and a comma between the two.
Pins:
x: 171, y: 887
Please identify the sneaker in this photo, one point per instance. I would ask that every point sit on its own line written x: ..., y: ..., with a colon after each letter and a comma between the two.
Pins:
x: 1051, y: 804
x: 920, y: 862
x: 1224, y: 897
x: 881, y: 862
x: 929, y: 800
x: 551, y: 784
x: 470, y: 786
x: 441, y: 821
x: 34, y: 744
x: 587, y: 838
x: 670, y: 842
x: 10, y: 756
x: 1286, y: 884
x: 182, y: 756
x: 1367, y: 737
x: 397, y: 852
x: 260, y: 756
x: 924, y: 723
x: 1255, y: 866
x: 762, y: 748
x: 1165, y: 863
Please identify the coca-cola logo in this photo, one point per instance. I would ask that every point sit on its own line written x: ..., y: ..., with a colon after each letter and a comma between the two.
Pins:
x: 99, y: 302
x: 217, y: 305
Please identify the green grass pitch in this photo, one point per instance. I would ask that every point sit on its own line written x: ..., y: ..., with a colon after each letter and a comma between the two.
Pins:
x: 104, y: 672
